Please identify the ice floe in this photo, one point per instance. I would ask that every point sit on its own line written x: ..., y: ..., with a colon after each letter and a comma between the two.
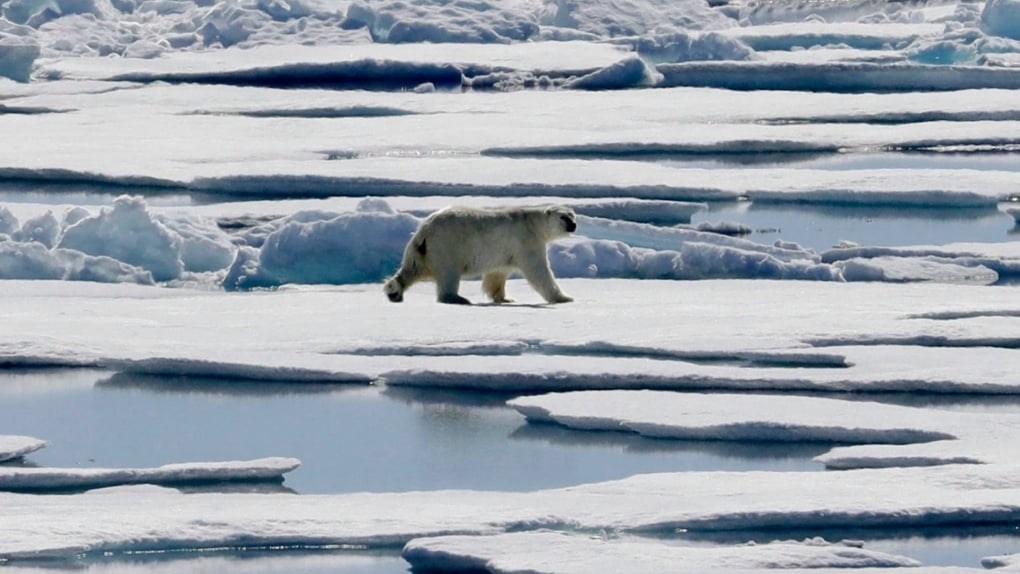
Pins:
x: 939, y: 338
x: 567, y: 553
x: 903, y: 436
x: 149, y: 518
x: 35, y: 479
x: 13, y: 446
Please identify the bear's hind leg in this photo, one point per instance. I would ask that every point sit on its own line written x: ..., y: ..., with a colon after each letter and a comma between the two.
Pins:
x: 494, y: 285
x: 447, y: 286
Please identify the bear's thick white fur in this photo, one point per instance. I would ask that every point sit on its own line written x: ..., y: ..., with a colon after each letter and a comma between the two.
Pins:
x: 492, y: 243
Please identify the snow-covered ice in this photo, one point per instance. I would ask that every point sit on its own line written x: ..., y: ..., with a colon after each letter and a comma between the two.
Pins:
x: 30, y: 479
x: 13, y: 446
x: 894, y: 339
x: 565, y: 553
x: 922, y: 437
x: 147, y: 518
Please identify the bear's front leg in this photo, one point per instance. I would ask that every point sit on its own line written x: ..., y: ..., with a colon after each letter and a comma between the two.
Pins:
x: 540, y: 277
x: 447, y: 287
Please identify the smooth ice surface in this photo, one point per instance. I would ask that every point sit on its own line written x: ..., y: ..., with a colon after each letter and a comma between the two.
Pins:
x: 15, y: 446
x: 561, y: 553
x: 923, y: 337
x: 903, y: 436
x: 41, y: 479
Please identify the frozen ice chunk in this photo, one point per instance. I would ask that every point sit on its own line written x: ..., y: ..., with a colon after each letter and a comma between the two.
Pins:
x: 204, y: 246
x: 244, y: 272
x: 1002, y: 18
x: 29, y: 260
x: 32, y: 260
x: 907, y: 270
x: 13, y: 446
x: 319, y: 247
x: 44, y: 229
x: 228, y: 24
x: 613, y: 19
x: 100, y: 269
x: 690, y: 46
x: 691, y: 416
x: 563, y: 553
x: 38, y: 479
x: 130, y: 234
x: 17, y: 57
x: 8, y: 222
x: 1007, y: 562
x: 630, y: 72
x: 438, y: 21
x: 74, y: 215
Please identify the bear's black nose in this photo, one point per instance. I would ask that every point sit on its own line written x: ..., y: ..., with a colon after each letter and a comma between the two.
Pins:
x: 571, y: 226
x: 396, y: 297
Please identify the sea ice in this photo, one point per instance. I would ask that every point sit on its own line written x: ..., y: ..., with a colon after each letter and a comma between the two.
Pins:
x: 42, y: 526
x: 562, y: 553
x: 113, y: 123
x: 726, y: 334
x: 903, y: 436
x: 13, y: 446
x: 19, y: 478
x: 128, y: 233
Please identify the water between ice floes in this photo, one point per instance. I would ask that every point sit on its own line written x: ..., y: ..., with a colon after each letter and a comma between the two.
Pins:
x: 353, y: 438
x: 349, y: 438
x: 821, y: 227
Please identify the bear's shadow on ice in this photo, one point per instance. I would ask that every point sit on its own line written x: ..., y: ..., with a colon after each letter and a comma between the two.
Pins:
x: 515, y: 305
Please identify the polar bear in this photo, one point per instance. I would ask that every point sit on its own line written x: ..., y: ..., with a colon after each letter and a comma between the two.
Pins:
x: 491, y: 243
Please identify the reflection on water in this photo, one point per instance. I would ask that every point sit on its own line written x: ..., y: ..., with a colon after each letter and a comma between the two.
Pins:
x: 357, y: 438
x: 824, y: 226
x: 991, y: 160
x: 760, y: 452
x: 349, y: 438
x: 234, y: 561
x: 943, y: 546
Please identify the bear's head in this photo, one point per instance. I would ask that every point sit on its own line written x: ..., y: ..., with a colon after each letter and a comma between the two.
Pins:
x: 561, y: 221
x: 394, y: 290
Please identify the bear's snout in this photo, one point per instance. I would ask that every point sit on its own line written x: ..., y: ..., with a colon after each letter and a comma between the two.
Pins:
x: 396, y: 297
x: 571, y: 226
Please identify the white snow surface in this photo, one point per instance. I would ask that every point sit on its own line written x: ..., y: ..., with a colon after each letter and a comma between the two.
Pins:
x: 915, y: 337
x: 15, y: 446
x: 18, y: 478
